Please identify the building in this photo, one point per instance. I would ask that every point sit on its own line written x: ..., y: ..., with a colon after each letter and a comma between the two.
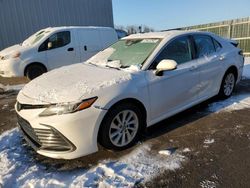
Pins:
x: 237, y: 29
x: 21, y: 18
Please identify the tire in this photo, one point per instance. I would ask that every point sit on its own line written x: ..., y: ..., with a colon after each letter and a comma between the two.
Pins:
x: 121, y: 127
x: 227, y: 85
x: 34, y: 71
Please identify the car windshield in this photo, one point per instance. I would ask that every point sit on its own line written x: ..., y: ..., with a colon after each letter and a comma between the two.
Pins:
x: 125, y: 53
x: 33, y: 39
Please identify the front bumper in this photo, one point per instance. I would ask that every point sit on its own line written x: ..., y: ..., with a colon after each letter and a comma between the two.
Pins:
x: 65, y: 136
x: 10, y: 68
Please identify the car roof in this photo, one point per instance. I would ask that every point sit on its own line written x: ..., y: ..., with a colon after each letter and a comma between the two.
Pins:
x: 76, y: 27
x: 162, y: 35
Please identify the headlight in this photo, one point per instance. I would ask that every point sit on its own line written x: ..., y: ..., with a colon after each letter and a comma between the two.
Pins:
x: 13, y: 55
x: 59, y: 109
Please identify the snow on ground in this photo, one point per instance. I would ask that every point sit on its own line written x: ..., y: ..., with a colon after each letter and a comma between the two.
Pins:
x: 209, y: 141
x: 11, y: 87
x: 19, y: 168
x: 236, y: 102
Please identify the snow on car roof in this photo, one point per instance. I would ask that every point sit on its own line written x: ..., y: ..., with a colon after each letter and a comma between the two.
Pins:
x: 75, y: 27
x: 161, y: 35
x: 153, y: 34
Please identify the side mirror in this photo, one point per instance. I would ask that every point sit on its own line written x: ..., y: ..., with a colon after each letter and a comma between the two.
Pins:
x: 165, y: 65
x: 50, y: 45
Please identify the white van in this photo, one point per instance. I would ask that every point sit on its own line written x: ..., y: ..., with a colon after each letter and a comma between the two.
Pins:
x: 51, y: 48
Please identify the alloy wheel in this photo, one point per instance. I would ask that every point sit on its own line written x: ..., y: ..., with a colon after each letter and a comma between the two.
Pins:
x: 124, y: 127
x: 229, y: 84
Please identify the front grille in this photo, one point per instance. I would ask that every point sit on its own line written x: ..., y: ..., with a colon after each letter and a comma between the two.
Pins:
x: 45, y: 139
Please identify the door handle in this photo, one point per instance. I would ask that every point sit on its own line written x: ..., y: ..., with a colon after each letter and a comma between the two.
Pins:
x: 221, y: 58
x: 193, y: 68
x: 70, y: 49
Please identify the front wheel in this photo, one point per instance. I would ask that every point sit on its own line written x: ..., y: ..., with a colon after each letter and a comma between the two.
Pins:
x: 34, y: 71
x: 227, y: 85
x: 121, y: 127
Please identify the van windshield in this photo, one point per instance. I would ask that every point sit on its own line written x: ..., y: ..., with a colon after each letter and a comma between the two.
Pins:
x: 33, y: 39
x: 125, y: 53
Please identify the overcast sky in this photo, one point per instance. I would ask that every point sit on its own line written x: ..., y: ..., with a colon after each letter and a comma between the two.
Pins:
x: 167, y: 14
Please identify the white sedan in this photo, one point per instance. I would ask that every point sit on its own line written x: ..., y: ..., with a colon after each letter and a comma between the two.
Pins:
x: 135, y: 83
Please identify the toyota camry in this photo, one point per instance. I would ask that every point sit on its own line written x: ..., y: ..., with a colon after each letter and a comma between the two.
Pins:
x: 112, y: 97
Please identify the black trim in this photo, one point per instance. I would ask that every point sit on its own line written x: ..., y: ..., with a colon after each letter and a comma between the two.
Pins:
x: 20, y: 106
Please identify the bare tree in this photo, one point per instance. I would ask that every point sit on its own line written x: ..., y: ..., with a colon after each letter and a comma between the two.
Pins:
x: 132, y: 29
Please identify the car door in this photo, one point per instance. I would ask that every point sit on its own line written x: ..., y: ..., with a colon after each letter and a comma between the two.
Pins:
x: 209, y: 57
x: 89, y: 43
x: 175, y: 89
x: 61, y: 51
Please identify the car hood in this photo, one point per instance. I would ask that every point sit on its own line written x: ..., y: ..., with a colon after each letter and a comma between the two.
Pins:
x: 71, y: 83
x: 13, y: 49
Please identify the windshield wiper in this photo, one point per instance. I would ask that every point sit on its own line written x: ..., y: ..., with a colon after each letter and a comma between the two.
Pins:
x: 92, y: 64
x: 112, y: 67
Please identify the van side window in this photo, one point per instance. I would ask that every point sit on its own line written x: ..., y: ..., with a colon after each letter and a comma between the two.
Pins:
x: 178, y: 50
x: 204, y: 45
x: 57, y: 40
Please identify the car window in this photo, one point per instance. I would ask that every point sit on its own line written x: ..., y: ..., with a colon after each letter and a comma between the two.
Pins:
x: 178, y: 50
x: 58, y: 40
x: 217, y: 45
x: 204, y: 45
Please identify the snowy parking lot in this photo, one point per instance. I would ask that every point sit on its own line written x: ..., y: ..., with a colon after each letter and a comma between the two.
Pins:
x: 206, y: 146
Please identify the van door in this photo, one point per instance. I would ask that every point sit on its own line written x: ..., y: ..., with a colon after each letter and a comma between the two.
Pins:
x: 108, y: 37
x: 89, y: 42
x: 60, y: 49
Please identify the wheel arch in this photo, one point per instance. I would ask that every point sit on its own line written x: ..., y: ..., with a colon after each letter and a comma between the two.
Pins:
x: 234, y: 70
x: 137, y: 102
x: 34, y: 63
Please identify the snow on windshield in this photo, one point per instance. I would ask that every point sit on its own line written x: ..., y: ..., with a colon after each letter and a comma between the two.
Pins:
x: 33, y: 39
x: 125, y: 53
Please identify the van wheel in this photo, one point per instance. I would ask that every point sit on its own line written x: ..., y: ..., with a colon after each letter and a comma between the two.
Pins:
x: 227, y: 85
x: 34, y: 71
x: 121, y: 127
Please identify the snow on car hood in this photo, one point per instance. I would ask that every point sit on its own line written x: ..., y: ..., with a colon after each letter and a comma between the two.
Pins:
x: 72, y: 83
x: 12, y: 49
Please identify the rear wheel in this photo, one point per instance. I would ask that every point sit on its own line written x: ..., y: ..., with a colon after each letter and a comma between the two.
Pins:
x: 227, y: 85
x: 34, y: 71
x: 121, y: 127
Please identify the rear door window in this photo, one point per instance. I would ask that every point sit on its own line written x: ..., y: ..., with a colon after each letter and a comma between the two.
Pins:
x: 217, y: 45
x: 204, y: 45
